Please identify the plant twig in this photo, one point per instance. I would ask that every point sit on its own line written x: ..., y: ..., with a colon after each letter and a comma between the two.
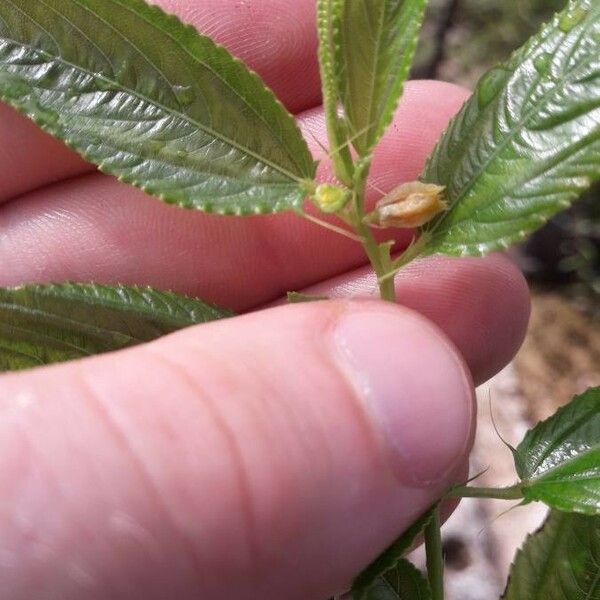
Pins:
x: 379, y: 254
x: 334, y: 228
x: 514, y: 492
x: 435, y: 556
x: 412, y: 252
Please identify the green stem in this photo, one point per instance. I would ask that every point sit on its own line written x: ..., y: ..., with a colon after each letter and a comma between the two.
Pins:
x: 412, y: 252
x: 379, y: 254
x: 376, y: 254
x: 514, y: 492
x: 435, y: 556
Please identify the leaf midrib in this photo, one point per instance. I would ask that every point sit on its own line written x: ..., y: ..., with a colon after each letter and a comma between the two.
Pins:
x: 170, y: 111
x: 564, y: 463
x: 558, y: 159
x: 556, y: 440
x: 389, y: 586
x: 566, y: 153
x: 144, y: 311
x: 145, y: 296
x: 413, y: 12
x: 209, y: 131
x: 55, y: 319
x: 19, y: 353
x: 370, y: 119
x: 66, y: 345
x: 510, y: 137
x: 203, y: 64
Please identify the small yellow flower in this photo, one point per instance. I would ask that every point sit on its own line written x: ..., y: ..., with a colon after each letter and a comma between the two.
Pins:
x: 331, y: 198
x: 409, y: 205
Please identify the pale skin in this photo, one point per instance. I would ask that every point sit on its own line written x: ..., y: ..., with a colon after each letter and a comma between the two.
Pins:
x: 270, y: 456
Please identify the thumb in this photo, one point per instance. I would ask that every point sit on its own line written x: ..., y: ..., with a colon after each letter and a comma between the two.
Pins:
x: 268, y: 456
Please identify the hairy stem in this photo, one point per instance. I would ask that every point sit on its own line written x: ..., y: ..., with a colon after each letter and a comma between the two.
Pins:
x: 435, y: 556
x: 508, y: 493
x: 331, y: 227
x: 379, y: 254
x: 412, y: 252
x: 379, y: 261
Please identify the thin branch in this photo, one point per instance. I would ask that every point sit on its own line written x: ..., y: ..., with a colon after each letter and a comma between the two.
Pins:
x: 334, y: 228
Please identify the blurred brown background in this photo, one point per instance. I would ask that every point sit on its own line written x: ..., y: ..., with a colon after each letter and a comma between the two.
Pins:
x: 561, y: 355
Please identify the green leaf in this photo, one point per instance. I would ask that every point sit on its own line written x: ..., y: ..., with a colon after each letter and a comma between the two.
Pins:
x: 526, y: 144
x: 151, y: 101
x: 389, y: 559
x: 378, y: 42
x: 381, y: 590
x: 403, y: 582
x: 559, y: 459
x: 44, y: 324
x: 560, y: 562
x: 300, y: 298
x: 329, y: 14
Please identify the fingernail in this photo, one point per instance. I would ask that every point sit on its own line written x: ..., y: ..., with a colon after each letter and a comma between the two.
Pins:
x: 414, y: 387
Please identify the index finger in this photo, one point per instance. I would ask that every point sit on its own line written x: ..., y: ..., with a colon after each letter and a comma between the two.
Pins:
x: 276, y: 38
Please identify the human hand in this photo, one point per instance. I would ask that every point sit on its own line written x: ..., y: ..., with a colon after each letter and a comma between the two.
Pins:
x: 271, y: 456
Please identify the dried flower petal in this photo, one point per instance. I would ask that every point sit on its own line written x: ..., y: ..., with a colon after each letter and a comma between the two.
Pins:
x: 409, y: 205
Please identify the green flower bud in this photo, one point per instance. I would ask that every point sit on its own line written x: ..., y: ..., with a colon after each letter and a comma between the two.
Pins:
x: 331, y: 198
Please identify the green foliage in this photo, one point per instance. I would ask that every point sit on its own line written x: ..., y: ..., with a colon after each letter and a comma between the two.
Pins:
x: 328, y: 25
x: 526, y: 144
x: 44, y: 324
x: 560, y: 562
x: 389, y: 560
x: 378, y: 39
x: 559, y: 459
x: 162, y: 107
x: 153, y: 102
x: 300, y: 298
x: 403, y: 582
